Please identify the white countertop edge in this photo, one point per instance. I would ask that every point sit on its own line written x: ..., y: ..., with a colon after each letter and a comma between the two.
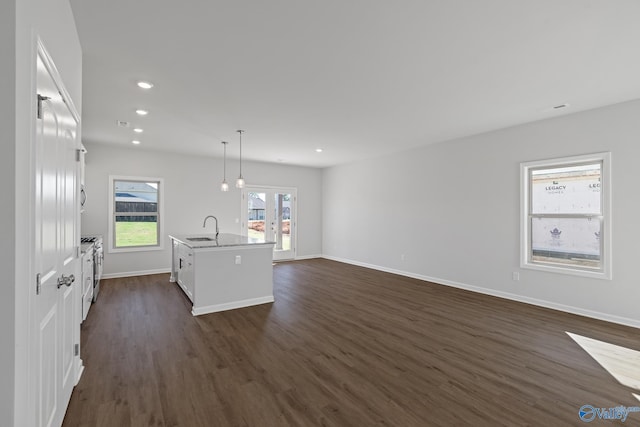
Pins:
x: 224, y: 240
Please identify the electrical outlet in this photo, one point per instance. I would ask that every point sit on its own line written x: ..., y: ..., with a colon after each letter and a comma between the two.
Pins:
x: 402, y: 257
x: 238, y: 259
x: 516, y: 276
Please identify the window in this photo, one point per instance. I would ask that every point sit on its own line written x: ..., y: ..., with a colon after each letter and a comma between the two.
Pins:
x: 565, y: 220
x: 135, y: 214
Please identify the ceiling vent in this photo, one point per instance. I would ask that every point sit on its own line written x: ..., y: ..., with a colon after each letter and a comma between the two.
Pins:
x: 123, y: 124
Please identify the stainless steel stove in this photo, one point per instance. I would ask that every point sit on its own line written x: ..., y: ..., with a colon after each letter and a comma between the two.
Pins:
x: 98, y: 258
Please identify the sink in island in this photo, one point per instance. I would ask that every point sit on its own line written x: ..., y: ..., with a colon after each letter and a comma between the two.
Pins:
x: 223, y: 273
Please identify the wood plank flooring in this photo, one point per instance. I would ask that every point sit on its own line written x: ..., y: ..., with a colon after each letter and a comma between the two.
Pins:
x: 341, y: 346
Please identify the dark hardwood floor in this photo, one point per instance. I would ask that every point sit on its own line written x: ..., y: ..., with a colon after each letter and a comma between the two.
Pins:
x: 341, y: 346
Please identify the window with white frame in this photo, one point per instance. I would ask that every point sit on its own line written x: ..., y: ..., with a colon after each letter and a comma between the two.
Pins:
x: 566, y: 220
x: 135, y: 213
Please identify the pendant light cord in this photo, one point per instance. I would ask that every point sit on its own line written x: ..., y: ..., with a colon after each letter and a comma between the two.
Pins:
x: 240, y: 132
x: 224, y: 167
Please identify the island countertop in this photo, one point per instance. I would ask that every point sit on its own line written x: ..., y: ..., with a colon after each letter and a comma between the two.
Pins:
x: 223, y: 240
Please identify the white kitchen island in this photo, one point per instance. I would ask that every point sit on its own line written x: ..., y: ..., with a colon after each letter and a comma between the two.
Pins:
x: 220, y: 274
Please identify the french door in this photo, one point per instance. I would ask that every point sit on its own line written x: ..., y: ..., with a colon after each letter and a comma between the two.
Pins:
x: 270, y: 213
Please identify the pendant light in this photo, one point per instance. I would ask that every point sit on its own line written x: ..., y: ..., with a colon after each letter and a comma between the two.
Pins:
x: 240, y: 180
x: 224, y: 186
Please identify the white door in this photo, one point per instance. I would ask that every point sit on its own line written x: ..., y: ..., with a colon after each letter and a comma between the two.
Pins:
x: 56, y: 257
x: 270, y: 214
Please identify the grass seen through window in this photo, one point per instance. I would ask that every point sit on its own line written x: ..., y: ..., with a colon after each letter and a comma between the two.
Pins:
x: 136, y: 233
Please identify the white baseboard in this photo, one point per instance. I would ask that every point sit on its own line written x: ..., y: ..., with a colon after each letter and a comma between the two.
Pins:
x: 500, y: 294
x: 301, y: 257
x: 231, y: 305
x: 135, y: 273
x: 298, y: 258
x: 79, y: 372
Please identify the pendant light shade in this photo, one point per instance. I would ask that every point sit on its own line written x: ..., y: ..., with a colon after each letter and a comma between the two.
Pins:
x: 224, y: 186
x: 240, y: 180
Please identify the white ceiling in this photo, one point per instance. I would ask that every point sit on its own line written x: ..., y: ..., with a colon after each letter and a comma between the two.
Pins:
x: 357, y: 78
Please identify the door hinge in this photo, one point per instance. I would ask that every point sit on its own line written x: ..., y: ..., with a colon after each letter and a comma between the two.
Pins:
x: 77, y: 251
x: 39, y: 107
x: 78, y: 154
x: 76, y: 349
x: 38, y: 284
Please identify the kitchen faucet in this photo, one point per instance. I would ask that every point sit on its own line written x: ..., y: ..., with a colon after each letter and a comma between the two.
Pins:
x: 204, y: 224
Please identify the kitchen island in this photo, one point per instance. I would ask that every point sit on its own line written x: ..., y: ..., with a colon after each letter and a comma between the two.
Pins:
x: 223, y: 273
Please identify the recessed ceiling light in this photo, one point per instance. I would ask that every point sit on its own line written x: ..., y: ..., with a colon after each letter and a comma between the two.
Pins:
x: 145, y: 85
x: 138, y: 130
x: 135, y: 142
x: 142, y: 112
x: 318, y: 150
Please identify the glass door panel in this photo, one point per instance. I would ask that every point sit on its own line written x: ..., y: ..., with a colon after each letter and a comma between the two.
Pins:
x: 270, y: 215
x: 256, y: 203
x: 281, y: 224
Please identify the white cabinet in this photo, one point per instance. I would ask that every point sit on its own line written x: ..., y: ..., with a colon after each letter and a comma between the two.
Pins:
x: 83, y: 193
x: 81, y: 154
x: 87, y: 281
x: 185, y: 268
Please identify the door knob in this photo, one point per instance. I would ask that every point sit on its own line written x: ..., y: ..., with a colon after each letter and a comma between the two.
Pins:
x: 66, y: 280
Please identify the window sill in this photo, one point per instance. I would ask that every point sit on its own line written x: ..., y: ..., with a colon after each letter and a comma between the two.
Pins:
x: 135, y: 249
x: 596, y: 274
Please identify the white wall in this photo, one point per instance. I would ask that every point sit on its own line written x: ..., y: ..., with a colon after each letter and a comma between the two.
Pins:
x: 53, y: 22
x: 452, y: 210
x: 192, y: 191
